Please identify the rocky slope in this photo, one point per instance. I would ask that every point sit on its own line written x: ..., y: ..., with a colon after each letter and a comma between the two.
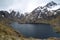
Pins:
x: 6, y: 32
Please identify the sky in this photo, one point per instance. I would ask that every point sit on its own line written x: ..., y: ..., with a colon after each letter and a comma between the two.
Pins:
x: 24, y: 5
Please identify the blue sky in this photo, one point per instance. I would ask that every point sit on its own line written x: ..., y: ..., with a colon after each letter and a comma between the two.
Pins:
x: 24, y: 5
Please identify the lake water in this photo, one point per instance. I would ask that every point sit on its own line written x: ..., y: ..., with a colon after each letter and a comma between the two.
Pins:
x: 34, y: 30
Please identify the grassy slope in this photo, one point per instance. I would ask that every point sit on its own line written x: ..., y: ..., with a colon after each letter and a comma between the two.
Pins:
x: 6, y: 32
x: 56, y: 24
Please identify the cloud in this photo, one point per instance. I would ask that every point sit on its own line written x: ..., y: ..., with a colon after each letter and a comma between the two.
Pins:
x: 23, y: 5
x: 26, y: 5
x: 5, y: 3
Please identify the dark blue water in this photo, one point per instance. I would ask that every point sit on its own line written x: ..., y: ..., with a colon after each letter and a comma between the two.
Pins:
x: 34, y: 30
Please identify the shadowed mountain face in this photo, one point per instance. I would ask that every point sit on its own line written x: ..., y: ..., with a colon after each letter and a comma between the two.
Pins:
x: 4, y: 14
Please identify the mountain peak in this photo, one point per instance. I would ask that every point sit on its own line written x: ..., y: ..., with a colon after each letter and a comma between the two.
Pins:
x: 50, y: 4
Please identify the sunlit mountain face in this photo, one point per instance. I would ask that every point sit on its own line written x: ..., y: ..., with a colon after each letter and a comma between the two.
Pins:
x: 26, y: 5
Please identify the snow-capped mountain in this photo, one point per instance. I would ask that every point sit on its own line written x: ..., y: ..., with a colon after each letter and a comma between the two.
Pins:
x: 46, y: 7
x: 44, y: 12
x: 50, y: 4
